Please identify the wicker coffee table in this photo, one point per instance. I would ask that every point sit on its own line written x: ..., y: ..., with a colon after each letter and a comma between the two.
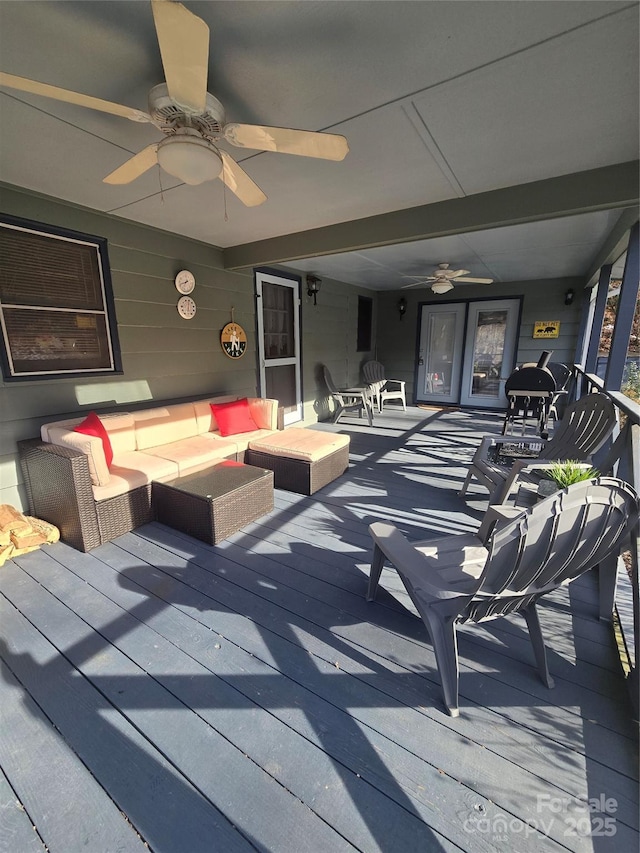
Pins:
x: 212, y: 504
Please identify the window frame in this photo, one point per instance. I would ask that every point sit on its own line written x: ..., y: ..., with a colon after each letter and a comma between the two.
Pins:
x: 106, y: 311
x: 364, y: 336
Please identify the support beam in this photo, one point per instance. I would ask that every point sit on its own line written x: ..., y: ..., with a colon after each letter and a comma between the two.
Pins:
x: 595, y: 331
x: 610, y: 187
x: 624, y: 315
x: 615, y: 245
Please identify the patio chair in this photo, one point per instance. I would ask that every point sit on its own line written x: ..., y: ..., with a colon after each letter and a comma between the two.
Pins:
x: 347, y: 399
x: 529, y: 553
x: 563, y: 376
x: 381, y: 388
x: 583, y: 430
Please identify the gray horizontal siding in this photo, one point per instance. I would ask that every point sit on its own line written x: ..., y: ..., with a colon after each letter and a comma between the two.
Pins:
x: 329, y: 331
x: 164, y: 357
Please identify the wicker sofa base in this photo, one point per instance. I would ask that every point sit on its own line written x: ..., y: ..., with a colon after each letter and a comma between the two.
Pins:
x: 298, y: 475
x: 59, y: 490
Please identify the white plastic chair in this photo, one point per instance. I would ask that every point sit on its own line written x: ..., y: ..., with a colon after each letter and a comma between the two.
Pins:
x: 381, y: 388
x: 347, y: 399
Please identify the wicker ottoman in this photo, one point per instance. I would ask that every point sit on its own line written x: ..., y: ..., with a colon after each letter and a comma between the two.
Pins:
x: 302, y: 460
x: 214, y: 503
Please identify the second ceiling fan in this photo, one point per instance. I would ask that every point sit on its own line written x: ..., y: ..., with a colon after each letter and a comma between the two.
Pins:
x: 443, y: 279
x: 192, y: 120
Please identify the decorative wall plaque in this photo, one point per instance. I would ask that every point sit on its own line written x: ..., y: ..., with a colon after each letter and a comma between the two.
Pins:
x: 233, y: 340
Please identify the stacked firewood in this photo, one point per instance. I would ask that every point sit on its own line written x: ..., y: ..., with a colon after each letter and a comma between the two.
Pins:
x: 20, y: 533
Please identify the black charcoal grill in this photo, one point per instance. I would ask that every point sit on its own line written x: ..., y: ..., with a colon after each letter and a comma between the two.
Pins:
x: 530, y: 391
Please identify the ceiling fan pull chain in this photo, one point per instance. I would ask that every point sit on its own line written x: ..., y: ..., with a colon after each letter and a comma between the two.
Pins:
x: 160, y: 182
x: 224, y: 196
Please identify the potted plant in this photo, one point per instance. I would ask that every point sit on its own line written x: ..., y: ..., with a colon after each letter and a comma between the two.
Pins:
x: 565, y: 473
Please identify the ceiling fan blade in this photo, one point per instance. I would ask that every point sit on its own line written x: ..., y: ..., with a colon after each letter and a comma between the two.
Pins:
x: 455, y: 273
x: 58, y: 94
x: 307, y: 143
x: 235, y: 177
x: 134, y: 167
x: 415, y: 284
x: 475, y: 280
x: 184, y: 47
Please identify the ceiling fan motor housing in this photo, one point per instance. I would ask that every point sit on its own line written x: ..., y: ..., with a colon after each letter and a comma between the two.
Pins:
x: 169, y: 117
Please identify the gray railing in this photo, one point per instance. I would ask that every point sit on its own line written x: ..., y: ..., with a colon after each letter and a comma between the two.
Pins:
x: 624, y: 605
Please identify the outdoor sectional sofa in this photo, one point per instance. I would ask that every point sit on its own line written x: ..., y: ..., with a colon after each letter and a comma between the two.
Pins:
x: 69, y: 483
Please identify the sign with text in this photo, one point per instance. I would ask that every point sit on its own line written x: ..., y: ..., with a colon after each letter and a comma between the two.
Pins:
x: 546, y: 329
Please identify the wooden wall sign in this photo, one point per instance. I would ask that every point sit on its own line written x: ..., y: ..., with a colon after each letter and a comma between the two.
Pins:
x: 233, y: 340
x: 546, y: 329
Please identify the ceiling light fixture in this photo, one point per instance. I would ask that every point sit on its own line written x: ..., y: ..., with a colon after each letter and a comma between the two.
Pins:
x: 189, y: 158
x: 441, y: 286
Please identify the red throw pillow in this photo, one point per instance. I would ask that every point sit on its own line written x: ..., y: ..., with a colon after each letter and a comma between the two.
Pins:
x: 233, y: 417
x: 92, y: 425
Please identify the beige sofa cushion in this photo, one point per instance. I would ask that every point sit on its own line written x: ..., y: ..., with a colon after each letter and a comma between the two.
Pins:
x: 243, y: 439
x: 121, y: 429
x: 191, y: 454
x: 119, y: 425
x: 69, y: 424
x: 133, y: 469
x: 299, y: 443
x: 90, y: 445
x: 264, y: 412
x: 164, y: 424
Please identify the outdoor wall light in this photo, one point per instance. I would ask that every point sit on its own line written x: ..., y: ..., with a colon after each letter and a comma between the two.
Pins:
x: 402, y: 307
x: 313, y: 287
x: 568, y: 297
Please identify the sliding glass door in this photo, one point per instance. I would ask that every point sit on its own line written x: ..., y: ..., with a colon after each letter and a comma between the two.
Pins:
x: 466, y: 351
x: 440, y: 352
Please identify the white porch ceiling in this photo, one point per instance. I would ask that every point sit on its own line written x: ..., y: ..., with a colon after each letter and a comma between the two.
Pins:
x: 438, y: 100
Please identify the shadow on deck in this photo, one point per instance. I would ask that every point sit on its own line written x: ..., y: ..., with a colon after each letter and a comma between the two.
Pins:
x: 160, y: 693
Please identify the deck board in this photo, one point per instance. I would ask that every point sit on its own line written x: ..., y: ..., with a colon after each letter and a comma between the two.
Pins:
x: 16, y: 827
x: 257, y: 701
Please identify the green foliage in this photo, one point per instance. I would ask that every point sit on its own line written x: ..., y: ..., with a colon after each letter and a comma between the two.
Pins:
x: 571, y: 471
x: 631, y: 387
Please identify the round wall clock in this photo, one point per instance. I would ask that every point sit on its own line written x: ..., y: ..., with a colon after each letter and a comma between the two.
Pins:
x: 185, y: 281
x: 186, y: 308
x: 233, y: 340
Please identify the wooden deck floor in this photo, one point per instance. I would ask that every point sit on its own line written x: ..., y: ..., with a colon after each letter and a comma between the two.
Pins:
x: 159, y: 693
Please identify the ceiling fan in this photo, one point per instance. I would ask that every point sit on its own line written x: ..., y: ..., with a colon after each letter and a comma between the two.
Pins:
x: 192, y: 120
x: 443, y: 279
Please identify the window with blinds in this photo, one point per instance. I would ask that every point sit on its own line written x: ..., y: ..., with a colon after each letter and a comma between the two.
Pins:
x: 56, y: 303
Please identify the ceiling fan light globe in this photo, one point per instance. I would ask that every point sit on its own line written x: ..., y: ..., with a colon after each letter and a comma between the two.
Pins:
x: 189, y: 159
x: 441, y: 287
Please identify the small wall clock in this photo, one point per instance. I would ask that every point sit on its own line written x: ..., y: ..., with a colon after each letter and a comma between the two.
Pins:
x: 186, y: 308
x: 185, y: 281
x: 233, y: 340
